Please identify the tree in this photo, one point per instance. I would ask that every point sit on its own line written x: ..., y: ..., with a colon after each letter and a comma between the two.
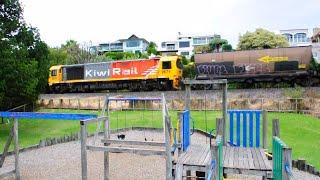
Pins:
x: 226, y: 47
x: 57, y: 56
x: 78, y: 53
x: 23, y: 58
x: 202, y: 49
x: 217, y: 43
x: 152, y: 49
x: 261, y: 39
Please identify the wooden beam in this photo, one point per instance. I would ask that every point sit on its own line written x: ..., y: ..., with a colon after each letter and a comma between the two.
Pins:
x: 224, y: 112
x: 140, y: 151
x: 7, y: 173
x: 145, y: 143
x: 6, y: 147
x: 88, y: 121
x: 275, y: 128
x: 286, y: 160
x: 187, y: 97
x: 16, y: 148
x: 83, y: 139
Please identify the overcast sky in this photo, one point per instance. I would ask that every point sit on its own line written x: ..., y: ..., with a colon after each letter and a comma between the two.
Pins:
x: 161, y: 20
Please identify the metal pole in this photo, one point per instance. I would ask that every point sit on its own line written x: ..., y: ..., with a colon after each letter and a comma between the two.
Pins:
x: 83, y: 138
x: 106, y: 137
x: 16, y: 147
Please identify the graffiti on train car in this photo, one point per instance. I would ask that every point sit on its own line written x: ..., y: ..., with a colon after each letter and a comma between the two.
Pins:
x: 229, y: 68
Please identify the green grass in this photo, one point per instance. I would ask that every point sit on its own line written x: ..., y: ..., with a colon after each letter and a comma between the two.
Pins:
x: 301, y: 132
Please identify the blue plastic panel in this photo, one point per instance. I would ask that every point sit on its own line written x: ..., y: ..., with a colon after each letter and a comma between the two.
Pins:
x: 241, y: 124
x: 186, y: 130
x: 47, y: 116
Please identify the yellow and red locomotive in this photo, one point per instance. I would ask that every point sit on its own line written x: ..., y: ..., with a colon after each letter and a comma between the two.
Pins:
x: 159, y: 73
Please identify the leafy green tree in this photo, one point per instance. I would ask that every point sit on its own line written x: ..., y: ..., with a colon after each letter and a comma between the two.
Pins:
x: 226, y: 47
x: 57, y: 56
x: 217, y: 43
x: 261, y: 39
x: 23, y: 58
x: 152, y: 48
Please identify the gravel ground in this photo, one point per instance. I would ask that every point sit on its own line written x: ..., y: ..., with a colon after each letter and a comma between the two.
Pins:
x: 62, y: 161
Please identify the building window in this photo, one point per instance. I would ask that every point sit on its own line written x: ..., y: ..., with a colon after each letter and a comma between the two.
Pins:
x: 209, y: 39
x: 166, y: 65
x: 171, y: 47
x: 289, y: 37
x: 116, y: 46
x: 133, y: 43
x: 197, y: 41
x: 185, y: 53
x: 163, y: 45
x: 300, y: 37
x: 184, y: 44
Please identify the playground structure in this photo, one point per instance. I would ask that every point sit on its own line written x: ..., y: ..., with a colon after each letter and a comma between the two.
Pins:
x: 14, y: 133
x: 240, y: 153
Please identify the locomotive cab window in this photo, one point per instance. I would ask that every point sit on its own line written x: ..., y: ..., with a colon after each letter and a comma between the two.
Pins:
x: 166, y: 65
x: 54, y: 73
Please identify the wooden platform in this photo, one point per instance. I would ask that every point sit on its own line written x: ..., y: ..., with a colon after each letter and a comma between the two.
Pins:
x: 196, y: 158
x: 251, y: 161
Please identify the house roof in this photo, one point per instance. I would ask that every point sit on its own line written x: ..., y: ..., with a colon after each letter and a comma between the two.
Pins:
x: 133, y: 37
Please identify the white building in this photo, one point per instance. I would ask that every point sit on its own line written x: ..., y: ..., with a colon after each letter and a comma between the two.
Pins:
x: 184, y: 45
x: 315, y: 39
x: 132, y: 44
x: 296, y: 37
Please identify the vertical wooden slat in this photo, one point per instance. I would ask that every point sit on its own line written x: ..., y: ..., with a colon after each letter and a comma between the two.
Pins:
x: 16, y: 147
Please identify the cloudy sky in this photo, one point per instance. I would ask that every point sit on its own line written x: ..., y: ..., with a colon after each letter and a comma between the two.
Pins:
x: 160, y: 20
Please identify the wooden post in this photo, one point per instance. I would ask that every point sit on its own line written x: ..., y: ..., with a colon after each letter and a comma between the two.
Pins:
x: 78, y: 104
x: 265, y: 129
x: 16, y: 148
x: 286, y: 161
x: 224, y: 109
x: 6, y: 147
x: 168, y: 149
x: 106, y: 153
x: 275, y: 128
x: 83, y: 137
x: 187, y: 97
x: 219, y: 126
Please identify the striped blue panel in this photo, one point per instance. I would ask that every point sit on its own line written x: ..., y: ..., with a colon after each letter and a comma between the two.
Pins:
x: 186, y: 130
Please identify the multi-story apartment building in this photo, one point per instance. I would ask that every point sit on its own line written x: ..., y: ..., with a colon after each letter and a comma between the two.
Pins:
x: 132, y: 44
x: 184, y: 45
x: 296, y: 37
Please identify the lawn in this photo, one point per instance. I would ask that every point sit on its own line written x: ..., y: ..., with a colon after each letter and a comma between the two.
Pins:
x: 301, y: 132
